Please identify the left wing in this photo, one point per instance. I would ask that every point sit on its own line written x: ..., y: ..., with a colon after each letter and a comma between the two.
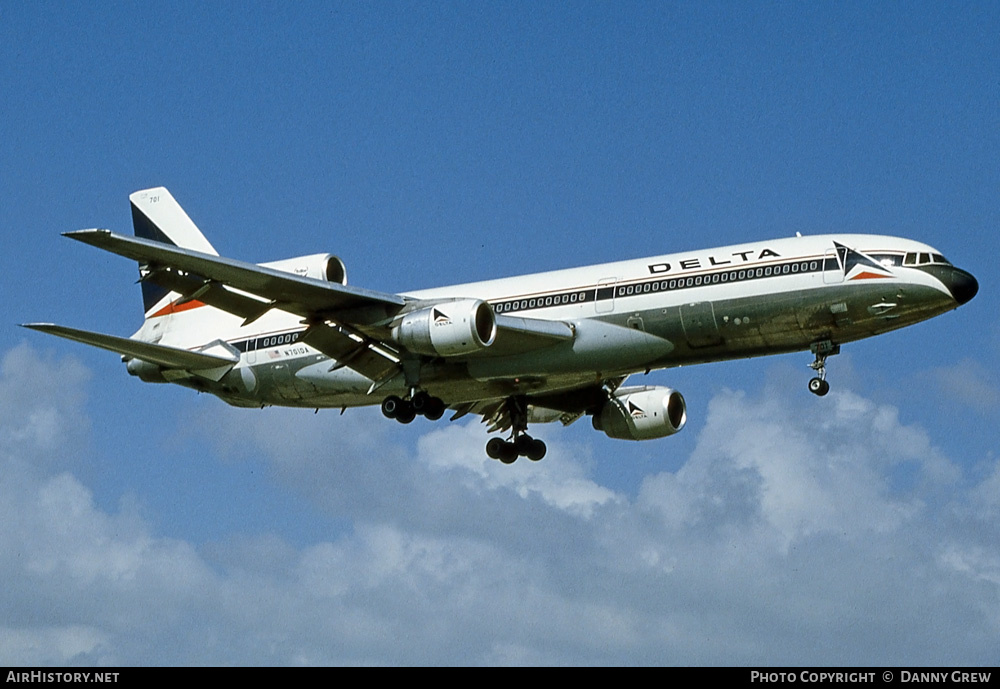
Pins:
x: 212, y: 361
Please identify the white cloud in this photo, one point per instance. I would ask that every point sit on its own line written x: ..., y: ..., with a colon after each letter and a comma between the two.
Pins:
x: 970, y: 383
x: 559, y: 480
x: 788, y: 536
x: 48, y: 646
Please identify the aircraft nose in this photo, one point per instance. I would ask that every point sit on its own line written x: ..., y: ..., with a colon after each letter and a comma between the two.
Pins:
x: 963, y: 285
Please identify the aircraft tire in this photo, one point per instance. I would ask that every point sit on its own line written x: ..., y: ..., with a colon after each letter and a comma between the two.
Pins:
x: 435, y: 409
x: 536, y: 451
x: 819, y: 387
x: 391, y: 406
x: 420, y: 402
x: 508, y: 453
x: 494, y: 447
x: 406, y: 413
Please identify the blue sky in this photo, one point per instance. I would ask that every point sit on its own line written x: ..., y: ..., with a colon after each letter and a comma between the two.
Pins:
x: 436, y: 143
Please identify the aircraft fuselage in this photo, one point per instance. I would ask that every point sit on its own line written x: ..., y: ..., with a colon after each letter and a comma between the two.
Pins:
x: 741, y: 301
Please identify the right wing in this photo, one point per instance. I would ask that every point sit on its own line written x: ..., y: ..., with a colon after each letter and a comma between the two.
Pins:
x: 349, y: 324
x: 313, y: 299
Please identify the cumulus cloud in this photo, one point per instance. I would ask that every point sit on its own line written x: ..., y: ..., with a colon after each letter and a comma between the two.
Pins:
x: 786, y: 537
x: 969, y: 383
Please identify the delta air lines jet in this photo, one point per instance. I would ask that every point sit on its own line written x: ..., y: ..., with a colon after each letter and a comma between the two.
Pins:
x: 552, y: 346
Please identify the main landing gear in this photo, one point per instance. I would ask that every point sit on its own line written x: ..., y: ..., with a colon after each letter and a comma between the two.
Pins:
x: 520, y: 443
x: 818, y: 385
x: 405, y: 411
x: 513, y: 414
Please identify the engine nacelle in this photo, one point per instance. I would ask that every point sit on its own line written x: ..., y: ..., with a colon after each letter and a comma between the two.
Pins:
x: 145, y: 371
x: 642, y: 413
x: 448, y: 329
x: 325, y: 267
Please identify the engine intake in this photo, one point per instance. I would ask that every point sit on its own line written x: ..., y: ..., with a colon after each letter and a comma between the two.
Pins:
x: 448, y: 329
x: 642, y: 413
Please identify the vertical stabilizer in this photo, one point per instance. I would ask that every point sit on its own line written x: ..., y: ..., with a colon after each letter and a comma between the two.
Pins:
x: 157, y: 216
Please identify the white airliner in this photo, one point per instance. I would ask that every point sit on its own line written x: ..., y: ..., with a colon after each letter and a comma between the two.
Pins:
x: 536, y: 348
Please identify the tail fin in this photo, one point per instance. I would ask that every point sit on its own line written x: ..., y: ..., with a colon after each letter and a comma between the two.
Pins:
x: 157, y: 216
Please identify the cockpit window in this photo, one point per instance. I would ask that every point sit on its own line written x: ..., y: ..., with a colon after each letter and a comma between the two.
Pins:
x: 923, y: 259
x: 888, y: 260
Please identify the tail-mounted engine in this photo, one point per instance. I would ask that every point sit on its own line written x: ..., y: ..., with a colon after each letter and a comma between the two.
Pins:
x: 326, y: 267
x: 448, y: 329
x: 642, y: 413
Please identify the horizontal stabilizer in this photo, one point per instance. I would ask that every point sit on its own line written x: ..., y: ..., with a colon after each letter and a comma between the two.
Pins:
x: 161, y: 355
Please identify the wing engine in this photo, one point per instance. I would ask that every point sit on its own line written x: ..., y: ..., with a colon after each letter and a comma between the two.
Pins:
x: 642, y: 413
x: 449, y: 328
x: 326, y: 267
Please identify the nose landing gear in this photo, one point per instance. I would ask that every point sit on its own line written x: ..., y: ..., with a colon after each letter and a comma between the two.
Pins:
x: 818, y: 385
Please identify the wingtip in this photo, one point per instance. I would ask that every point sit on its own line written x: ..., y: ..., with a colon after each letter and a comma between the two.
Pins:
x: 81, y: 234
x: 42, y: 327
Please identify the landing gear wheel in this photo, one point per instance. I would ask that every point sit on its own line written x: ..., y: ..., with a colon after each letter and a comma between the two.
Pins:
x: 405, y: 413
x: 420, y: 402
x: 536, y: 451
x: 819, y: 387
x: 429, y: 407
x: 390, y: 406
x: 494, y: 448
x: 435, y: 409
x: 522, y: 444
x: 508, y: 453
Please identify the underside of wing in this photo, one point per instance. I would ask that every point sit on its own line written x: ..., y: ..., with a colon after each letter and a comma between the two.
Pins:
x: 370, y: 358
x: 565, y: 406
